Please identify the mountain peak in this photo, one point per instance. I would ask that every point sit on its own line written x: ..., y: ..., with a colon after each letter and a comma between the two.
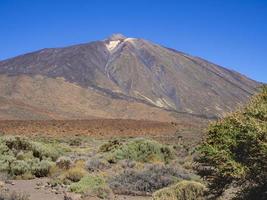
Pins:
x: 117, y: 36
x: 119, y: 75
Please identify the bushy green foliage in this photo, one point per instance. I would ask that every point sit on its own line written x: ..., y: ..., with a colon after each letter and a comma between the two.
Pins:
x: 21, y: 156
x: 111, y: 145
x: 87, y: 183
x: 91, y: 185
x: 43, y: 151
x: 19, y: 167
x: 42, y: 168
x: 142, y: 150
x: 235, y: 149
x: 184, y: 190
x: 5, y: 162
x: 17, y: 143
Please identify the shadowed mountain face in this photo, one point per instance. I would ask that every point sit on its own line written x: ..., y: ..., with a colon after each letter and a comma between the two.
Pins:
x: 132, y: 78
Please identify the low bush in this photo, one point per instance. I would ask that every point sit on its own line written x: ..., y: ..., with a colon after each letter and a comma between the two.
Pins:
x: 75, y: 174
x: 5, y: 162
x: 126, y: 164
x: 64, y: 162
x: 141, y: 150
x: 4, y: 148
x: 184, y: 190
x: 24, y: 158
x: 91, y: 185
x: 95, y: 164
x: 24, y: 155
x: 111, y: 145
x: 20, y: 167
x: 147, y: 181
x: 43, y: 151
x: 42, y: 168
x: 17, y: 143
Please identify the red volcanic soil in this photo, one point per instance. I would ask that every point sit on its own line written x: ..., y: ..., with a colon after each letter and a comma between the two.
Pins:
x: 96, y: 127
x: 102, y: 128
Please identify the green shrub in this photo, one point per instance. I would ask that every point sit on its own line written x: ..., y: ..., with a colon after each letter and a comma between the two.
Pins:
x: 19, y: 167
x: 43, y: 151
x: 4, y: 148
x: 184, y: 190
x: 5, y: 162
x: 17, y: 143
x: 235, y: 150
x: 88, y: 184
x: 22, y: 145
x: 41, y: 168
x: 141, y: 150
x: 64, y: 162
x: 23, y: 157
x: 76, y: 174
x: 111, y: 145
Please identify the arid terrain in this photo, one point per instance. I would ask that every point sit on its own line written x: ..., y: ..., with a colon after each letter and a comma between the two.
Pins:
x: 107, y: 128
x: 116, y: 119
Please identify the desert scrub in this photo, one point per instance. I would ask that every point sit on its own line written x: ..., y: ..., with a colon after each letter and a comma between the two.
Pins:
x: 184, y: 190
x: 91, y: 185
x: 5, y: 162
x: 46, y: 151
x: 75, y: 174
x: 64, y: 162
x: 111, y: 145
x: 19, y: 167
x: 141, y: 150
x: 147, y: 181
x: 96, y: 164
x: 17, y: 143
x: 40, y: 150
x: 26, y: 158
x: 42, y: 168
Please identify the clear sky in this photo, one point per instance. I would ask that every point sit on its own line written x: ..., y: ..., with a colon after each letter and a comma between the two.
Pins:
x: 231, y: 33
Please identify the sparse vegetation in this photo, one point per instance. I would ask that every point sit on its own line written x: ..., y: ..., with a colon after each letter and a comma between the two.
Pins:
x: 125, y: 166
x: 147, y: 181
x: 95, y: 164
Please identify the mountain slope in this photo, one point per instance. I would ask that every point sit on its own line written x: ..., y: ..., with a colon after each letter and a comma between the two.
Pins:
x: 153, y: 80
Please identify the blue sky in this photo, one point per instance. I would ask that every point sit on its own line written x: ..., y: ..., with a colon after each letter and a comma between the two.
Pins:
x: 231, y: 33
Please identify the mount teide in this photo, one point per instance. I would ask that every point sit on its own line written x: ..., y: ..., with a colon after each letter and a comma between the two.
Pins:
x: 118, y: 78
